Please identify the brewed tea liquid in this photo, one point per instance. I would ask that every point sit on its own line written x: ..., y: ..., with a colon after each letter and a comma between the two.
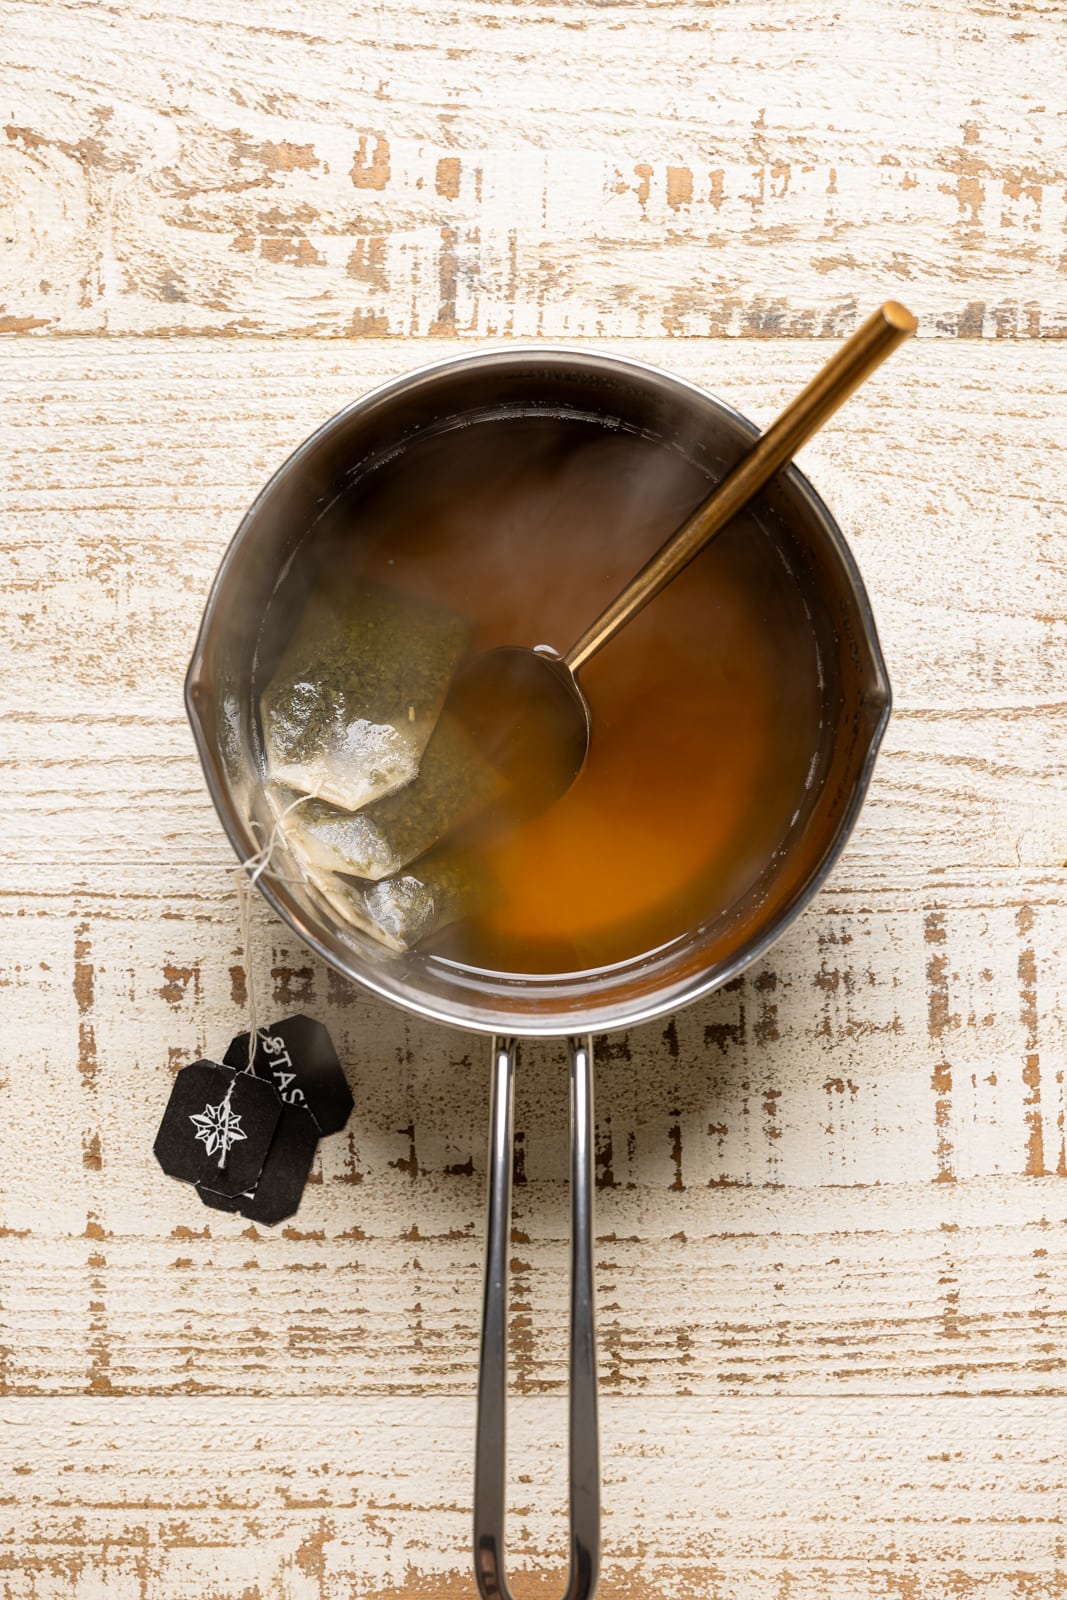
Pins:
x: 705, y: 707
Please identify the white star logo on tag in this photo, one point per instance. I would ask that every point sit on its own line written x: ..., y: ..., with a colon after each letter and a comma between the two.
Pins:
x: 217, y: 1128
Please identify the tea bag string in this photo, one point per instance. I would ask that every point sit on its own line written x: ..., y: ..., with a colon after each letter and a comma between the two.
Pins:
x: 248, y: 874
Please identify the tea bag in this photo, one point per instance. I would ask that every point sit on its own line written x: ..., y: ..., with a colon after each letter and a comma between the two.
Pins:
x: 401, y: 911
x: 358, y: 691
x: 454, y: 784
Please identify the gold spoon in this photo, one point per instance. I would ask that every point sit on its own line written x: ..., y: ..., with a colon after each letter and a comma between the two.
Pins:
x: 524, y: 707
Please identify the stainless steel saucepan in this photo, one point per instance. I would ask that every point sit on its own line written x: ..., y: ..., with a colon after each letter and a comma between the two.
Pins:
x: 221, y: 696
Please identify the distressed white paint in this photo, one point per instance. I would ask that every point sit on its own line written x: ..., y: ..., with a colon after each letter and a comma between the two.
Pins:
x: 560, y: 169
x: 832, y: 1215
x: 368, y: 1497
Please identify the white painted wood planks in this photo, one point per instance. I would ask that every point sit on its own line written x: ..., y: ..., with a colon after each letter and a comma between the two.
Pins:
x: 831, y: 1205
x: 561, y: 169
x: 747, y: 1500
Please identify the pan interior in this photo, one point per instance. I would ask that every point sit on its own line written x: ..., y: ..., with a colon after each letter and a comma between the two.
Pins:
x: 632, y: 413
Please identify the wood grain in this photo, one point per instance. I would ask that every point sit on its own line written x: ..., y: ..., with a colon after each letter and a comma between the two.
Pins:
x: 831, y: 1257
x: 608, y: 170
x: 357, y: 1497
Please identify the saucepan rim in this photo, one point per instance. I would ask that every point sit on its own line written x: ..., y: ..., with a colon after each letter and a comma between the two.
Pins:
x: 607, y: 1016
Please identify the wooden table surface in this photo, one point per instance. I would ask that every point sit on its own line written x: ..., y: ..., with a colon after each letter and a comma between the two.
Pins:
x: 832, y: 1207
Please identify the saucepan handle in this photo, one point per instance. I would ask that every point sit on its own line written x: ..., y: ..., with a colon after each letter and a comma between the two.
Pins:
x: 490, y: 1447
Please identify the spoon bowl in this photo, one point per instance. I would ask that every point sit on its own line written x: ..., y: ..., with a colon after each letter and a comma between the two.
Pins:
x: 525, y: 712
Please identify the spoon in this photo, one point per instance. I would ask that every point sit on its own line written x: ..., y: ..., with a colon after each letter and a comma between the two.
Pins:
x: 523, y: 706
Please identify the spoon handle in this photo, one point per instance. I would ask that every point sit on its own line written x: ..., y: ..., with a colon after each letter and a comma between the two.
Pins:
x: 857, y: 358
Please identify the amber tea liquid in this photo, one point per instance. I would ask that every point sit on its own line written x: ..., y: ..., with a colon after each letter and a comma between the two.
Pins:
x: 705, y: 708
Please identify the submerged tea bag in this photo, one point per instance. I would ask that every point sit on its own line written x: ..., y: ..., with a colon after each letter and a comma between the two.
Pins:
x: 454, y: 784
x: 401, y: 911
x: 358, y: 691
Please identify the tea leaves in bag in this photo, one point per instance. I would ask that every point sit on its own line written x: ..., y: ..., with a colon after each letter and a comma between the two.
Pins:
x: 453, y: 785
x: 403, y: 910
x: 358, y: 691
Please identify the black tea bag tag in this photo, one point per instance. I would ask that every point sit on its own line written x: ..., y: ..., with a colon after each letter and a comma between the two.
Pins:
x: 177, y: 1147
x: 285, y: 1171
x: 280, y: 1188
x: 235, y: 1132
x: 298, y: 1058
x: 220, y: 1202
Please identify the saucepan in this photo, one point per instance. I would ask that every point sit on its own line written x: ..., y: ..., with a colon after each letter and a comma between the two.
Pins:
x: 221, y: 696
